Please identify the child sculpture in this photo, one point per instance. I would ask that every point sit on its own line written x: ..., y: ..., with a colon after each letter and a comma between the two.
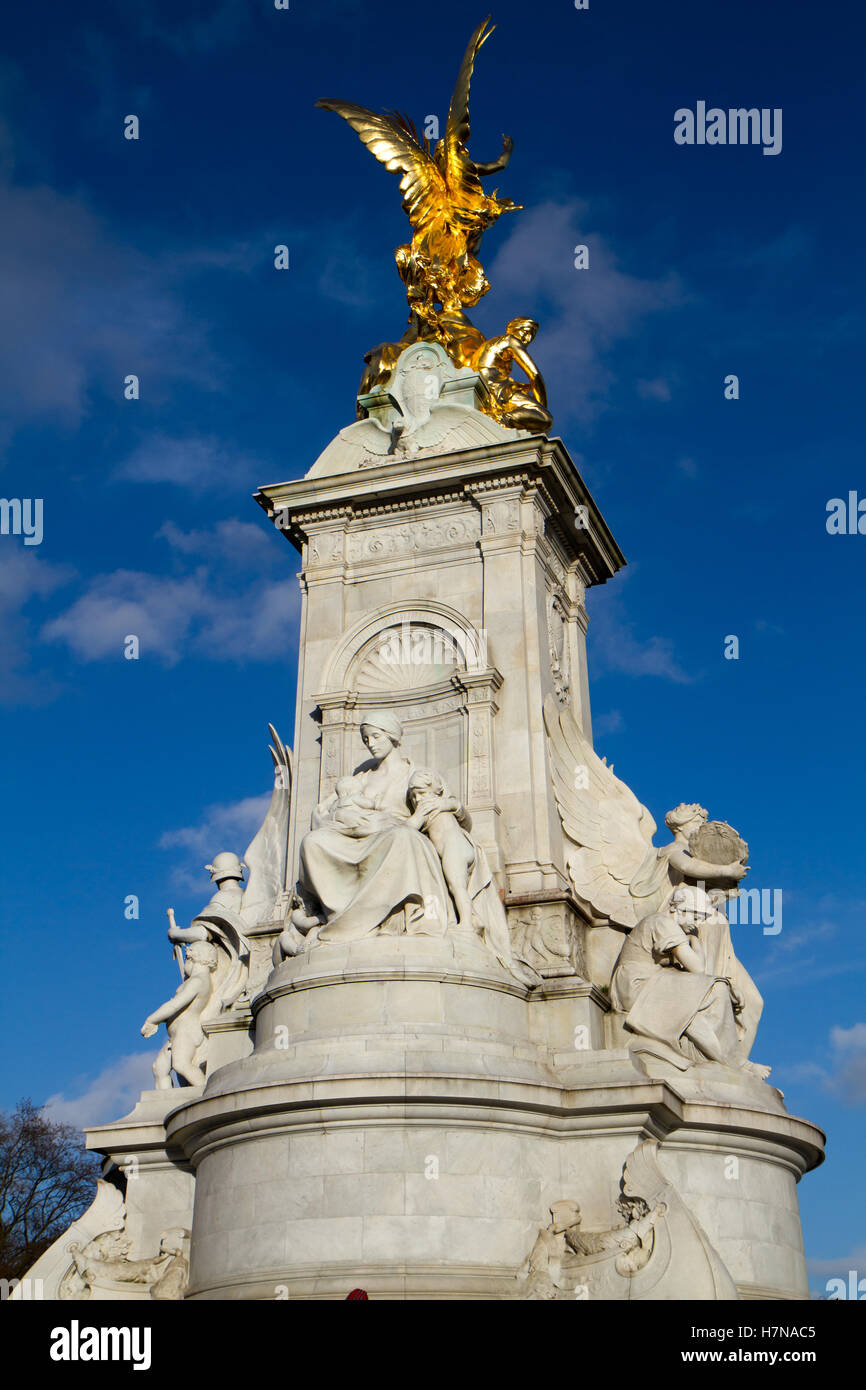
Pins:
x: 182, y: 1014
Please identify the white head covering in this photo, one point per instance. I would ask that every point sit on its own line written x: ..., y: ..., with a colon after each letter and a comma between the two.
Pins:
x: 385, y: 722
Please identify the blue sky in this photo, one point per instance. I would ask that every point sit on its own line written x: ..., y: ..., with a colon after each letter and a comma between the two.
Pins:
x: 155, y: 257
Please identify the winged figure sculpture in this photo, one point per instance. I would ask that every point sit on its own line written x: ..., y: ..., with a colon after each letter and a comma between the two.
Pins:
x: 616, y: 870
x: 443, y: 196
x: 449, y: 211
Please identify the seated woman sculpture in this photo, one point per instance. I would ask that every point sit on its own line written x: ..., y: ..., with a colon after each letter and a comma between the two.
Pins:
x: 384, y: 850
x: 362, y: 863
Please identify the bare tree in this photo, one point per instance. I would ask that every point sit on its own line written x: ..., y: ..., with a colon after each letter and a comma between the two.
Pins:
x: 47, y: 1179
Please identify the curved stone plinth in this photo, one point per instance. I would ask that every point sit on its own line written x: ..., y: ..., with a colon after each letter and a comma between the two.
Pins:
x: 410, y: 1113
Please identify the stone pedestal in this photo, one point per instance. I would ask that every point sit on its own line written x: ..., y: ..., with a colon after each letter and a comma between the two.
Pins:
x: 448, y: 588
x: 410, y: 1113
x: 401, y: 1112
x: 158, y: 1182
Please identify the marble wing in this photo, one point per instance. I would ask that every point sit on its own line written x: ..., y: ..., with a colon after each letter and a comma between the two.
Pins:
x: 266, y: 855
x: 612, y: 833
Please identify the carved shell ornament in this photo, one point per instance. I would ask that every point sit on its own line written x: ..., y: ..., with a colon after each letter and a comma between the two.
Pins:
x: 407, y: 657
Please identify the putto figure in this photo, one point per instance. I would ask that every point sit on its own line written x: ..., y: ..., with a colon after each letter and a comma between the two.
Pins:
x: 445, y: 201
x: 183, y: 1051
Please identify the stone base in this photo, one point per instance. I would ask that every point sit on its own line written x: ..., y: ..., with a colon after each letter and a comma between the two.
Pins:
x: 410, y: 1112
x: 159, y: 1183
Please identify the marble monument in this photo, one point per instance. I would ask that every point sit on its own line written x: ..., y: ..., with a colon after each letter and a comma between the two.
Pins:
x: 453, y: 988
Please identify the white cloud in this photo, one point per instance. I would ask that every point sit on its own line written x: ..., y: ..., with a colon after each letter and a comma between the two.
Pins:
x: 229, y: 826
x: 849, y: 1039
x: 608, y: 723
x: 849, y: 1055
x: 77, y: 308
x: 583, y: 313
x: 109, y: 1096
x: 188, y: 462
x: 839, y: 1266
x: 844, y: 1074
x: 656, y: 389
x: 25, y: 575
x: 615, y: 646
x: 25, y: 579
x: 814, y: 931
x: 237, y: 543
x: 803, y: 1071
x: 176, y: 617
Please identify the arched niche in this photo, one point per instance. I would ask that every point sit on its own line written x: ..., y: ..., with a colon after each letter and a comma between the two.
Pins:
x: 429, y: 665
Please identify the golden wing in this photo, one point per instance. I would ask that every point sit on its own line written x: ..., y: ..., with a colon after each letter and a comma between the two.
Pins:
x: 393, y: 142
x: 459, y: 169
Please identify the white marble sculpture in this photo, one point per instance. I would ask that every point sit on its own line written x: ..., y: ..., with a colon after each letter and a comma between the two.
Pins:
x: 184, y: 1048
x: 657, y: 1251
x: 679, y: 985
x: 429, y: 406
x: 103, y: 1269
x: 215, y: 972
x: 544, y: 941
x: 106, y: 1214
x: 390, y: 852
x: 616, y: 871
x: 618, y: 874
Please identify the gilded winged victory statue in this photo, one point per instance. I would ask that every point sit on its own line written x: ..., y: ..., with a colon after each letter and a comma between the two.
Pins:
x: 445, y: 201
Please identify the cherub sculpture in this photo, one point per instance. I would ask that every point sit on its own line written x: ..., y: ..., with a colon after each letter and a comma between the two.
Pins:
x: 449, y: 211
x: 215, y: 974
x: 183, y: 1049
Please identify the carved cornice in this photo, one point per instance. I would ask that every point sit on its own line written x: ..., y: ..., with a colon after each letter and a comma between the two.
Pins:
x: 528, y: 468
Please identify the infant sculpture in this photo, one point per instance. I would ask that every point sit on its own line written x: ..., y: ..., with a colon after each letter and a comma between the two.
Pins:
x: 390, y: 851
